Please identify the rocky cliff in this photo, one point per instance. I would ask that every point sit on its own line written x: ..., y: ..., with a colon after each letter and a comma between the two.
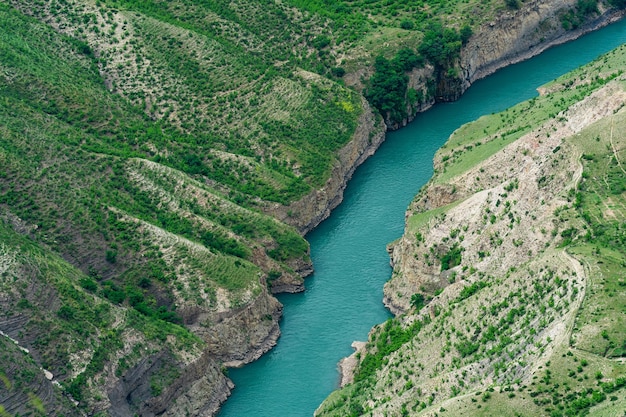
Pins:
x: 512, y: 36
x: 517, y: 35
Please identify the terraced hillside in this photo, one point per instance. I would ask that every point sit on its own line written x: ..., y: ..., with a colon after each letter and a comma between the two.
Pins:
x: 151, y: 240
x: 160, y: 161
x: 509, y: 283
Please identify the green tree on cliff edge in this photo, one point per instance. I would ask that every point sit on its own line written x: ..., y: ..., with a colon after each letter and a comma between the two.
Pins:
x: 388, y: 88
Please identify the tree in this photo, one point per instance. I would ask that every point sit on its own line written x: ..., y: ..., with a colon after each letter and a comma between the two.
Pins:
x: 441, y: 45
x: 406, y: 59
x: 387, y: 89
x: 466, y: 34
x: 418, y: 301
x: 451, y: 258
x: 512, y: 4
x: 338, y: 72
x: 66, y: 312
x: 407, y: 24
x: 321, y: 41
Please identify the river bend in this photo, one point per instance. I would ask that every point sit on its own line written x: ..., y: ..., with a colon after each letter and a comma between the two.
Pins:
x: 343, y: 299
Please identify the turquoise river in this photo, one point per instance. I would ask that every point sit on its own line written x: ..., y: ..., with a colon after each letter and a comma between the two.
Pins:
x: 343, y: 299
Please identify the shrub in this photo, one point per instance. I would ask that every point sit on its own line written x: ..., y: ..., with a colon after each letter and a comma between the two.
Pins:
x: 418, y: 301
x: 466, y: 348
x: 440, y: 46
x: 452, y: 258
x: 406, y: 59
x: 471, y: 290
x: 113, y: 293
x: 66, y: 312
x: 512, y: 4
x: 407, y: 24
x: 111, y: 256
x: 321, y: 41
x: 88, y: 284
x: 338, y: 72
x: 466, y: 34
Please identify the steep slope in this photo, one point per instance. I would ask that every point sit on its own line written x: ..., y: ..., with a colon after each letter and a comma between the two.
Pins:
x: 40, y: 398
x: 173, y: 152
x: 508, y: 282
x: 70, y: 337
x: 149, y: 239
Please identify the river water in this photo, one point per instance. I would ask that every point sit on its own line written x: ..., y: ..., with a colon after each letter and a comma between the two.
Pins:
x: 343, y: 299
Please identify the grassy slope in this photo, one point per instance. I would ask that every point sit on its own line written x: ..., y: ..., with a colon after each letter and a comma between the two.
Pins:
x: 230, y: 86
x: 75, y: 167
x: 75, y: 176
x: 487, y: 346
x: 239, y: 79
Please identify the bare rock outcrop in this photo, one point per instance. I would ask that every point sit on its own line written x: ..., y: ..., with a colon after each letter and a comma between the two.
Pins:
x: 348, y: 365
x: 518, y: 35
x: 240, y: 335
x: 233, y: 337
x: 200, y: 390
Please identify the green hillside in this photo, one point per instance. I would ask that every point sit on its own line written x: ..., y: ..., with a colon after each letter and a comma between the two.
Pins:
x: 145, y: 146
x: 78, y: 171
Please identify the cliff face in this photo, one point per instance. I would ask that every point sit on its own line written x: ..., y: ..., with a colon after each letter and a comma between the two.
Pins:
x: 419, y: 80
x: 200, y: 390
x: 202, y: 394
x: 242, y: 334
x: 513, y: 36
x: 142, y: 367
x: 518, y: 35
